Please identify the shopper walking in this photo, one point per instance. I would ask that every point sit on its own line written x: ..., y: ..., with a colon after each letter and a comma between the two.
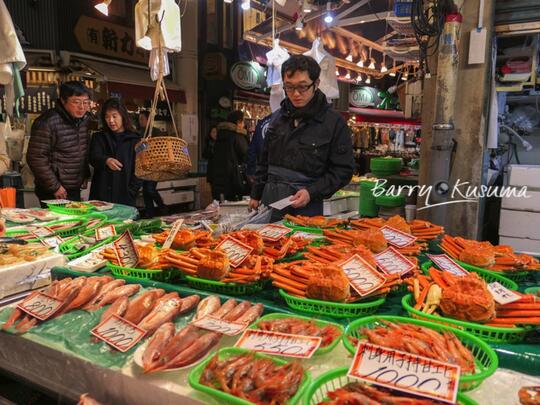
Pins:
x: 208, y: 152
x: 307, y: 153
x: 58, y: 147
x: 112, y: 154
x: 150, y: 193
x: 229, y: 179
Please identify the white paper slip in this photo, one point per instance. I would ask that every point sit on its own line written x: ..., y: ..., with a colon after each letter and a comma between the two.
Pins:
x: 284, y: 203
x: 501, y: 294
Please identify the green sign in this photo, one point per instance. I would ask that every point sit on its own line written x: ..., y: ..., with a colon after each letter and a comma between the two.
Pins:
x: 248, y: 75
x: 364, y: 97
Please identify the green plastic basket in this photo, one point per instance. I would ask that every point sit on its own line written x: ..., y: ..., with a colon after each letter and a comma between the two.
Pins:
x: 224, y: 288
x: 102, y: 220
x: 318, y: 322
x: 337, y: 378
x: 488, y: 276
x: 332, y: 309
x: 165, y: 276
x: 485, y: 357
x: 517, y: 276
x: 71, y: 231
x: 195, y: 376
x: 388, y: 201
x: 67, y: 248
x: 298, y: 228
x: 14, y: 233
x: 491, y: 334
x: 532, y: 290
x: 62, y: 209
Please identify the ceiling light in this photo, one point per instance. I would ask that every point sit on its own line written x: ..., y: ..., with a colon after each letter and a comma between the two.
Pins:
x: 348, y: 75
x: 384, y: 69
x: 393, y: 72
x: 329, y: 17
x: 103, y: 7
x: 368, y: 80
x: 337, y: 72
x: 349, y: 58
x: 299, y: 26
x: 227, y: 1
x: 360, y: 63
x: 246, y: 5
x: 372, y: 64
x: 307, y: 7
x: 359, y: 78
x: 362, y: 22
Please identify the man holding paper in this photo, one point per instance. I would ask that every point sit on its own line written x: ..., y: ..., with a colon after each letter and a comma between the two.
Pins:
x: 307, y: 153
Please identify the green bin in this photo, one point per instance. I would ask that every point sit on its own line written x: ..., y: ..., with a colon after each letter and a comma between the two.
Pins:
x: 367, y: 206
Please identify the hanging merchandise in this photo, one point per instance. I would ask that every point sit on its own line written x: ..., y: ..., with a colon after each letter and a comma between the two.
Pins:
x: 329, y: 83
x: 157, y: 25
x: 275, y: 58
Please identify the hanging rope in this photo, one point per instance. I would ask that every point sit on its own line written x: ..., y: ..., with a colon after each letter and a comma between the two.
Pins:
x: 273, y: 22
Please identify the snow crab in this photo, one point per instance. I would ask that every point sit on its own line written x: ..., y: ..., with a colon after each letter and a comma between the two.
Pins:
x: 317, y: 221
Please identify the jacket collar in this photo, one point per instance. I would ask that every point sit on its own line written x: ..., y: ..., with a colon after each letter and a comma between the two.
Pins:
x: 229, y: 126
x: 76, y: 122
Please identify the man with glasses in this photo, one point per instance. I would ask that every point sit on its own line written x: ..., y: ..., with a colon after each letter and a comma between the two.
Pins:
x: 57, y: 151
x: 307, y: 153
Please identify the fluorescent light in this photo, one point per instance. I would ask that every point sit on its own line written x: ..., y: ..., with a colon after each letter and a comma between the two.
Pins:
x: 329, y: 17
x: 103, y: 7
x: 299, y: 26
x: 307, y: 7
x: 246, y: 5
x: 227, y: 1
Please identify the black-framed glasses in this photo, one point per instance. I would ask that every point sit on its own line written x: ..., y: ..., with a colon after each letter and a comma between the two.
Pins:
x: 300, y: 88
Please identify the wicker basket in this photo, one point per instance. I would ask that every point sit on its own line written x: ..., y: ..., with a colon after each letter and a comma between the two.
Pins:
x: 161, y: 158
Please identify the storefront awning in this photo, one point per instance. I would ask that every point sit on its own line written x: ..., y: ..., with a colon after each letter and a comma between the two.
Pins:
x: 133, y: 82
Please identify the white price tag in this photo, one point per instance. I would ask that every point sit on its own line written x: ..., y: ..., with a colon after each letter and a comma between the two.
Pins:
x: 406, y: 372
x: 220, y: 326
x: 42, y: 232
x: 392, y: 262
x: 118, y: 333
x: 52, y: 241
x: 501, y: 294
x: 273, y: 232
x: 126, y: 251
x: 236, y: 251
x: 307, y: 235
x: 40, y: 306
x: 397, y: 238
x: 172, y: 233
x: 105, y: 232
x: 56, y: 202
x: 362, y: 276
x: 281, y: 344
x: 445, y: 263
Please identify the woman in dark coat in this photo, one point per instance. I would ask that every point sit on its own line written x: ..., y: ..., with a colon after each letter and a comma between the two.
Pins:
x: 229, y: 180
x: 112, y: 154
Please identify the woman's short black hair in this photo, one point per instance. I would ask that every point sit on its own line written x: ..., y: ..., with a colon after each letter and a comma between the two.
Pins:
x: 301, y: 63
x: 115, y: 104
x: 235, y: 116
x: 73, y: 88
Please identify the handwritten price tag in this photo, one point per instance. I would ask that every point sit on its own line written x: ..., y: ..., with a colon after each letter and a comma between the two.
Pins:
x: 52, y: 241
x: 235, y: 250
x: 105, y: 232
x: 126, y: 251
x: 445, y: 263
x: 273, y: 232
x: 392, y: 262
x: 281, y: 344
x: 220, y: 326
x: 40, y: 306
x: 307, y: 235
x: 119, y: 333
x: 42, y: 232
x: 172, y: 234
x: 501, y: 294
x: 397, y: 238
x: 406, y: 372
x: 362, y: 276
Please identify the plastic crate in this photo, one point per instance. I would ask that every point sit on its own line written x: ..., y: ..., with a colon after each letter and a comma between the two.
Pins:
x: 165, y: 276
x: 485, y: 358
x: 62, y: 209
x: 224, y: 288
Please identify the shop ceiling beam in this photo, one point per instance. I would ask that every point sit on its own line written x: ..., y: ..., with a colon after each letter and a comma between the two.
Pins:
x: 518, y: 28
x: 355, y: 7
x: 362, y: 19
x: 358, y: 38
x: 386, y: 37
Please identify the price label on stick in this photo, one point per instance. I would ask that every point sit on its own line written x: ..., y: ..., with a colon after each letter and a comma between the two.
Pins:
x: 236, y: 251
x: 52, y: 241
x: 42, y: 232
x: 406, y: 372
x: 172, y: 233
x: 281, y: 344
x: 40, y: 306
x: 118, y: 333
x: 397, y: 238
x: 105, y: 232
x: 126, y: 251
x: 501, y: 294
x: 273, y: 233
x: 392, y: 262
x: 220, y: 326
x: 445, y: 263
x: 362, y: 276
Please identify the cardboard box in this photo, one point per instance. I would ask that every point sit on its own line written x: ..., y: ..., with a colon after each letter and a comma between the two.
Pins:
x: 524, y: 175
x: 531, y: 246
x: 532, y: 203
x: 520, y: 224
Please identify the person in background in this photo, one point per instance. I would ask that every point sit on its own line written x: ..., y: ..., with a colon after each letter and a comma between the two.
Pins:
x: 307, y: 153
x: 112, y: 154
x: 208, y: 152
x: 58, y: 147
x: 150, y: 193
x: 255, y: 147
x: 229, y: 181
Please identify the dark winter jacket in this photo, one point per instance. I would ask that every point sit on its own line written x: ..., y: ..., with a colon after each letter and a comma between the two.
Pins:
x: 315, y: 143
x: 108, y: 185
x: 256, y: 145
x: 230, y: 151
x: 58, y: 150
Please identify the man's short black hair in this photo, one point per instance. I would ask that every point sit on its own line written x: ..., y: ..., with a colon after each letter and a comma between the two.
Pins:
x: 301, y: 63
x: 73, y: 88
x: 235, y: 116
